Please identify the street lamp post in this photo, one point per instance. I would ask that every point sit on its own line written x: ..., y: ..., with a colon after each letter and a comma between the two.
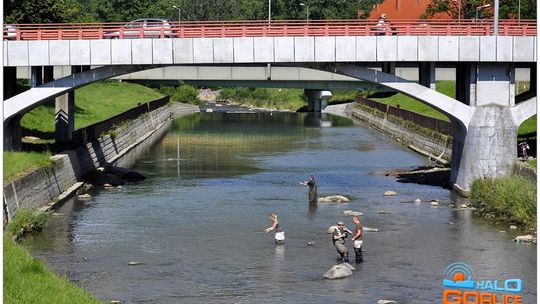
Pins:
x: 269, y: 10
x: 178, y: 8
x: 307, y: 10
x: 481, y: 7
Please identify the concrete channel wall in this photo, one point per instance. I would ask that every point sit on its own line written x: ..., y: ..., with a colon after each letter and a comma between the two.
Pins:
x: 45, y: 187
x: 438, y: 149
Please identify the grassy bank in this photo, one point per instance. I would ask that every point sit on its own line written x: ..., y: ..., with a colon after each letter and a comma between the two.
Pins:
x: 93, y: 103
x: 27, y: 280
x: 17, y: 164
x: 510, y: 198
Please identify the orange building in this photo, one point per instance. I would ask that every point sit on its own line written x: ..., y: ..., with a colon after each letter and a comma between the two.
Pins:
x: 403, y: 9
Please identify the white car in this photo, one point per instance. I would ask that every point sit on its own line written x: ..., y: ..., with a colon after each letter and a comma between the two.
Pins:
x: 142, y: 28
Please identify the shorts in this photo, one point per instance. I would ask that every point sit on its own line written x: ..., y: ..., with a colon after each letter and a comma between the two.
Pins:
x: 280, y: 236
x: 358, y: 244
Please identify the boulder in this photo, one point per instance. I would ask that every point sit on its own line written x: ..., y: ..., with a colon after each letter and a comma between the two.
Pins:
x: 135, y: 263
x: 525, y: 239
x: 390, y: 193
x: 434, y: 203
x: 367, y: 229
x: 338, y: 272
x: 513, y: 227
x: 85, y: 196
x: 127, y: 175
x: 417, y: 201
x: 331, y: 229
x: 100, y: 179
x: 386, y: 302
x: 347, y: 265
x: 334, y: 199
x: 352, y: 213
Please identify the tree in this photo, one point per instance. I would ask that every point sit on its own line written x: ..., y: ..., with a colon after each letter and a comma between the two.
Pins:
x: 43, y: 11
x: 507, y: 9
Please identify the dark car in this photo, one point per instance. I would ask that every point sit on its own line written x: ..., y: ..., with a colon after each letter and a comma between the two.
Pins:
x: 142, y: 28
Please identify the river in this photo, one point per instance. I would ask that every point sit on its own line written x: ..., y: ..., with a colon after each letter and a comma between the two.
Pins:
x: 196, y: 223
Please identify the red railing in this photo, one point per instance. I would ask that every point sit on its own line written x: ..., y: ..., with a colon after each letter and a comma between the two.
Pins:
x: 278, y: 28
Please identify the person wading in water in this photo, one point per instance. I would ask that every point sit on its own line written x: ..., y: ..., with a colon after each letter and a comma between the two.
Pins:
x: 339, y: 236
x: 280, y: 234
x: 312, y: 195
x: 357, y: 239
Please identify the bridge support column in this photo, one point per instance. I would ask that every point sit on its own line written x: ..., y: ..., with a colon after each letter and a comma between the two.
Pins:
x: 36, y: 76
x: 533, y: 78
x: 317, y: 100
x: 13, y: 133
x: 64, y: 117
x: 466, y: 83
x: 486, y: 149
x: 389, y: 67
x: 426, y: 74
x: 10, y: 82
x: 48, y: 74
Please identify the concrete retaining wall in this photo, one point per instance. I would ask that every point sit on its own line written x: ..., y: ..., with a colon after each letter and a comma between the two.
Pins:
x: 524, y: 170
x: 438, y: 149
x: 43, y: 186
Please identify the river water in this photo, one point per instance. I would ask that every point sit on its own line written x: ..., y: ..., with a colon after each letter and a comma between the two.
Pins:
x: 196, y: 223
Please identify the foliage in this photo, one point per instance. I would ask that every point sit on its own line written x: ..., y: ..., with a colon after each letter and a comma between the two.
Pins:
x: 27, y: 280
x: 468, y: 8
x: 28, y: 220
x: 43, y: 11
x: 528, y: 128
x: 512, y: 198
x: 183, y: 93
x: 17, y: 164
x: 279, y: 99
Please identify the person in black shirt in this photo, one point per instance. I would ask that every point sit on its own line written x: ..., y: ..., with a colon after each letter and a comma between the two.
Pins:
x: 312, y: 195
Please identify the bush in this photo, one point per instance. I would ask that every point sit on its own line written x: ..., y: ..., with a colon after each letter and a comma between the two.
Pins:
x: 29, y: 220
x: 512, y: 198
x: 187, y: 94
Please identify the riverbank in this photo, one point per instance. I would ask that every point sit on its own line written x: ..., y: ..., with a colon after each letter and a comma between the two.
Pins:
x: 27, y: 280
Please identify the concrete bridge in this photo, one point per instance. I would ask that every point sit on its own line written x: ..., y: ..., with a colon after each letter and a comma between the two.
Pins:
x: 485, y: 114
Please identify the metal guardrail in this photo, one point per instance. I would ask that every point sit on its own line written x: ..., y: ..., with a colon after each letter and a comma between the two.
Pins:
x: 265, y: 28
x: 87, y: 134
x: 441, y: 126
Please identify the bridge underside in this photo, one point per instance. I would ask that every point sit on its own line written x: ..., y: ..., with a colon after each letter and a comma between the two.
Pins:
x: 485, y: 121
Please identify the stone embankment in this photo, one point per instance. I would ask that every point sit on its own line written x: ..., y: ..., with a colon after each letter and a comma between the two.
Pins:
x: 438, y: 149
x: 45, y: 187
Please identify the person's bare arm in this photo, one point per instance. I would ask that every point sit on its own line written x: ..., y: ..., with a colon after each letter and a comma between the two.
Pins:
x: 274, y: 225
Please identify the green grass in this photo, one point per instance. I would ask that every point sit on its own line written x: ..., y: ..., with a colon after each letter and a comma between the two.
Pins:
x: 510, y: 198
x: 93, y: 103
x: 17, y: 164
x: 532, y: 163
x: 447, y: 88
x: 27, y: 220
x: 27, y: 280
x: 528, y: 128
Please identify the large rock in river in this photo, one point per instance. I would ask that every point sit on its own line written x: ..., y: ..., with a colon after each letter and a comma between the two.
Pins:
x: 339, y: 271
x: 334, y: 199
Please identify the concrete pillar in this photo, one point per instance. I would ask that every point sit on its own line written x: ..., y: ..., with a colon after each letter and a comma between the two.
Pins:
x: 36, y: 76
x: 533, y: 77
x: 13, y: 133
x: 10, y: 82
x: 389, y: 67
x: 466, y: 83
x: 486, y: 148
x: 317, y: 99
x: 48, y: 74
x: 426, y: 74
x: 64, y: 117
x: 495, y: 84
